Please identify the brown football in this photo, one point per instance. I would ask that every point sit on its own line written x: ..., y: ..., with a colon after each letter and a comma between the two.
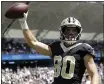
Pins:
x: 16, y: 10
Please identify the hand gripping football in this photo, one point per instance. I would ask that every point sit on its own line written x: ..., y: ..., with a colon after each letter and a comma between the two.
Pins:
x: 16, y: 10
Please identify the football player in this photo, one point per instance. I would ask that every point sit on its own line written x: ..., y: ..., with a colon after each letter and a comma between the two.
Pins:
x: 71, y: 58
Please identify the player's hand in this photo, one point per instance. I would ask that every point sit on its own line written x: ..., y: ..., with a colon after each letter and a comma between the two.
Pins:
x: 24, y: 19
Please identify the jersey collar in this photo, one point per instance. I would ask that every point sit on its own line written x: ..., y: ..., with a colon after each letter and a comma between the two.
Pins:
x: 65, y: 49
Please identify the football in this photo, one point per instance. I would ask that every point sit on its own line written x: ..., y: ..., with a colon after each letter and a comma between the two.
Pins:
x: 16, y: 10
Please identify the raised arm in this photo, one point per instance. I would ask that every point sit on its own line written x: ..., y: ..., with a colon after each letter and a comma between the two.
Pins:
x: 31, y: 39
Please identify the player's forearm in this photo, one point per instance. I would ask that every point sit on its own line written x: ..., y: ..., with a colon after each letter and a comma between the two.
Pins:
x: 29, y: 37
x: 95, y: 79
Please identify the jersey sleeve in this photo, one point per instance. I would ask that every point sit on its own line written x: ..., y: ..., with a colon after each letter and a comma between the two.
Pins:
x: 89, y: 50
x: 54, y: 48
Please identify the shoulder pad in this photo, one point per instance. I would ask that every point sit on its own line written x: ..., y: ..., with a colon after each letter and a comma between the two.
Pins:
x: 87, y: 45
x: 89, y: 49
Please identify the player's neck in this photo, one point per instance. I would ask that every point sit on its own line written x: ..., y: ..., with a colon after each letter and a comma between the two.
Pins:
x: 68, y: 45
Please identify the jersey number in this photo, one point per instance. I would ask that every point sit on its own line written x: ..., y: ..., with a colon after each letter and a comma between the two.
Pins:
x: 58, y: 70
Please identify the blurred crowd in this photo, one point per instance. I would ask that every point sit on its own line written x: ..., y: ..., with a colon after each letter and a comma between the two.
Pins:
x: 28, y: 75
x: 15, y: 47
x: 38, y: 75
